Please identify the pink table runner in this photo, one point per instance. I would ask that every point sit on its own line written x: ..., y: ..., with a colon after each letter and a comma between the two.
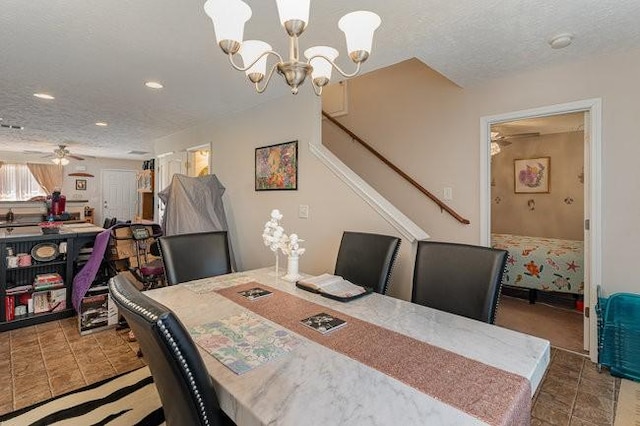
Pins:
x: 492, y: 395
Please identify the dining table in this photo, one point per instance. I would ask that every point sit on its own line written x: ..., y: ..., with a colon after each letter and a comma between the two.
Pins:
x: 392, y: 362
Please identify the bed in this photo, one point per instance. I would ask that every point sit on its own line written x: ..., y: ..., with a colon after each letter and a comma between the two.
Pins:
x: 546, y: 264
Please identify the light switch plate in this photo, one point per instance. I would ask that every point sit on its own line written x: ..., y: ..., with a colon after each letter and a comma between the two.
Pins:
x: 448, y: 193
x: 303, y: 211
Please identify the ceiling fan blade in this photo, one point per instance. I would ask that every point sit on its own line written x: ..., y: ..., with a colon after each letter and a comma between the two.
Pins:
x: 522, y: 135
x: 75, y: 157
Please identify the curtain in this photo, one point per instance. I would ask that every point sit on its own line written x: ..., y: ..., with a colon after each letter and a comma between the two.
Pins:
x: 48, y: 176
x: 17, y: 183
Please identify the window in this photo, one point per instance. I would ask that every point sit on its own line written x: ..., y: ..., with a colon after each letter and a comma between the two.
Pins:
x: 17, y: 183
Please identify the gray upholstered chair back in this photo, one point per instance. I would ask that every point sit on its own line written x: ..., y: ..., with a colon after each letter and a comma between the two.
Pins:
x: 459, y: 278
x: 193, y: 256
x: 182, y: 380
x: 367, y: 259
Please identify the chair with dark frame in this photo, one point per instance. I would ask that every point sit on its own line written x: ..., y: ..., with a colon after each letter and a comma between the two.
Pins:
x: 184, y: 385
x: 193, y: 256
x: 459, y: 278
x: 367, y: 259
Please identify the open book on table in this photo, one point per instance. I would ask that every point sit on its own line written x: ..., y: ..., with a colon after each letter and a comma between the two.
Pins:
x: 333, y: 286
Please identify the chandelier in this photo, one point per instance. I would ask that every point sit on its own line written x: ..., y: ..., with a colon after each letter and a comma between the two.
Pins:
x: 229, y: 17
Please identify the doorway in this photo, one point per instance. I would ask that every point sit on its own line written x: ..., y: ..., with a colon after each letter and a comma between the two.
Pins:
x: 119, y: 194
x: 591, y: 109
x: 198, y: 161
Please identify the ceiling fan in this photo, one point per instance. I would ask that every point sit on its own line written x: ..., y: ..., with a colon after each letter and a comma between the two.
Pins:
x: 505, y: 140
x: 61, y: 155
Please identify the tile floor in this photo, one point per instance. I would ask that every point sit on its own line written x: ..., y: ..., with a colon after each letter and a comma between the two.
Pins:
x: 49, y: 359
x: 574, y: 393
x: 46, y: 360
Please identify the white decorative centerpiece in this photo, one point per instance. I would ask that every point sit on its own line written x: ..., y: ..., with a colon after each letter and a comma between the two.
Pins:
x: 275, y: 238
x: 291, y: 247
x: 273, y: 233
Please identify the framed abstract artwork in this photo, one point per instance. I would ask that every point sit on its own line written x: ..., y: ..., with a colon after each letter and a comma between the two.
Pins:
x: 276, y: 167
x: 532, y: 175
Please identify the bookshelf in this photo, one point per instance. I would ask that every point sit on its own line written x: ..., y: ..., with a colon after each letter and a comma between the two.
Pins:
x: 13, y: 280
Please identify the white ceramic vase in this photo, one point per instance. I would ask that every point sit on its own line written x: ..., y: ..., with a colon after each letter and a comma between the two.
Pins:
x: 293, y: 273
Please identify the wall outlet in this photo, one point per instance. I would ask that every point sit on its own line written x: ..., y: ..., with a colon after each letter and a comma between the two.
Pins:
x: 303, y: 211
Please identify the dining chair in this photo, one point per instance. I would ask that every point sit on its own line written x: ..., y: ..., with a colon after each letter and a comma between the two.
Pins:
x: 109, y: 222
x: 367, y: 259
x: 180, y: 375
x: 459, y: 278
x: 193, y: 256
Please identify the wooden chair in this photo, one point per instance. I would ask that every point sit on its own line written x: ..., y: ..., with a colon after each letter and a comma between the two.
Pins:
x: 185, y: 387
x: 459, y: 278
x: 193, y: 256
x: 367, y: 259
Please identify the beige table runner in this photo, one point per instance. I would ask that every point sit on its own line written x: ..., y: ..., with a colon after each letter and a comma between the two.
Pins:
x: 492, y: 395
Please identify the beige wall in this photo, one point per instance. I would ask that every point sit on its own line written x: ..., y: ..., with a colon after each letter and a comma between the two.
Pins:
x: 430, y: 127
x: 333, y: 207
x: 94, y: 166
x: 558, y: 214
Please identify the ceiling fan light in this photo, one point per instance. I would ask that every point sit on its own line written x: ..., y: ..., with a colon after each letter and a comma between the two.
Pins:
x: 228, y: 17
x: 293, y: 10
x: 495, y: 148
x: 60, y: 161
x: 250, y: 51
x: 321, y: 67
x: 358, y: 28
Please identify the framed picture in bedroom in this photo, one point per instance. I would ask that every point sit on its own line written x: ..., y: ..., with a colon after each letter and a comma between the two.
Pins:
x: 532, y: 175
x: 276, y: 167
x: 81, y: 184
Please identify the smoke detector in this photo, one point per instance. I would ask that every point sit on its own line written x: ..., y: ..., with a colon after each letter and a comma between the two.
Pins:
x: 561, y: 41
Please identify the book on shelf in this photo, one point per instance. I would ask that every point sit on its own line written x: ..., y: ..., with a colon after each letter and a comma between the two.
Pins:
x: 333, y: 286
x: 19, y: 289
x: 9, y: 308
x: 50, y: 301
x: 255, y: 293
x: 323, y: 322
x: 48, y: 286
x: 52, y: 277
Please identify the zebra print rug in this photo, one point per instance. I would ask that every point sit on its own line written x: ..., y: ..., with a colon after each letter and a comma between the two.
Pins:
x: 128, y: 399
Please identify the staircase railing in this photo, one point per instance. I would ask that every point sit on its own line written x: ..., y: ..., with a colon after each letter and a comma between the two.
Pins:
x: 441, y: 204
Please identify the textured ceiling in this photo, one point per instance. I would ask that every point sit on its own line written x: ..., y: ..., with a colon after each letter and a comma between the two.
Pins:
x: 95, y: 55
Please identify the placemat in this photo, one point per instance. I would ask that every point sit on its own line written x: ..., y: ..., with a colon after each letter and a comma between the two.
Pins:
x: 492, y: 395
x: 243, y: 342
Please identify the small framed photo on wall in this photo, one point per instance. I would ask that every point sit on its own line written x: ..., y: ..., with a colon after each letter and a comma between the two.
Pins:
x: 81, y: 184
x: 532, y: 175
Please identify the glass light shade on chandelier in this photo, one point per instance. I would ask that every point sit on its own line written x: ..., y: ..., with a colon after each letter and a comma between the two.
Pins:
x: 60, y: 161
x: 230, y: 16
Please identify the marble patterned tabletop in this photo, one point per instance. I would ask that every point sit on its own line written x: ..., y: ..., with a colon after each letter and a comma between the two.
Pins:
x: 315, y: 385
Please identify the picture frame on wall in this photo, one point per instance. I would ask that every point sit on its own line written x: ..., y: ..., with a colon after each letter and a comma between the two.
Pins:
x: 532, y: 175
x: 81, y: 184
x: 276, y: 167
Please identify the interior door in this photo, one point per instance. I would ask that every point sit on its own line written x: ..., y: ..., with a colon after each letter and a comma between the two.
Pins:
x: 167, y: 166
x: 119, y: 194
x: 586, y: 176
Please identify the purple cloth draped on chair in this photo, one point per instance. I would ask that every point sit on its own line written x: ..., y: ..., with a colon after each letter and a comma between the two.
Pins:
x: 82, y: 281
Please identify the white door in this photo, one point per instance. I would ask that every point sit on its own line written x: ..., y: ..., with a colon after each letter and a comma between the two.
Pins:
x: 167, y: 166
x: 119, y: 194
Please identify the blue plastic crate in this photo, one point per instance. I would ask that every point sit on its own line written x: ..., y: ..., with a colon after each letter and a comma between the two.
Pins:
x: 619, y: 334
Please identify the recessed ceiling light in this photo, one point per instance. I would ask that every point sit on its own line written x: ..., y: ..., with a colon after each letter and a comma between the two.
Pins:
x: 43, y: 96
x: 102, y: 124
x: 560, y: 41
x: 154, y: 85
